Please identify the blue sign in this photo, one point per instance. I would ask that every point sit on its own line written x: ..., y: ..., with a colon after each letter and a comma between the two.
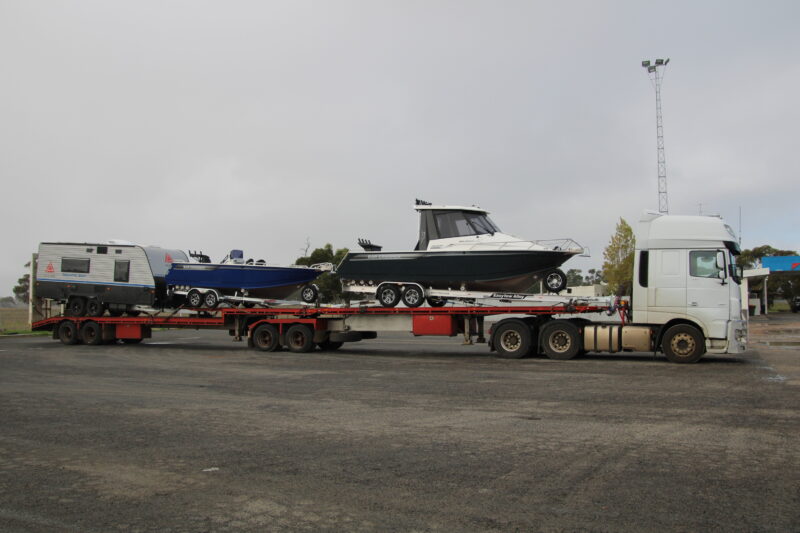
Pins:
x: 787, y: 263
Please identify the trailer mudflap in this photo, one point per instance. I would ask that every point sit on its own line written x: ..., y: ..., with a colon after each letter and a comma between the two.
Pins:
x: 446, y: 325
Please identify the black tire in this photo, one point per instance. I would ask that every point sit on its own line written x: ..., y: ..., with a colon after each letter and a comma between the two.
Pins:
x: 76, y: 306
x: 194, y: 299
x: 329, y: 346
x: 92, y: 333
x: 555, y: 280
x: 561, y: 340
x: 132, y: 341
x: 435, y: 301
x: 309, y: 293
x: 210, y: 300
x: 266, y: 338
x: 115, y: 313
x: 68, y: 332
x: 388, y: 295
x: 95, y: 308
x: 300, y: 338
x: 413, y: 296
x: 512, y: 340
x: 683, y: 343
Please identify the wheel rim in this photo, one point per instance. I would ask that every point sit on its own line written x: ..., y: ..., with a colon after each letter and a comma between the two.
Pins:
x: 387, y: 296
x: 412, y: 296
x: 560, y: 342
x: 90, y: 334
x: 210, y: 299
x: 298, y: 339
x: 553, y: 281
x: 510, y: 341
x: 308, y: 294
x: 683, y: 344
x: 194, y: 299
x: 264, y: 338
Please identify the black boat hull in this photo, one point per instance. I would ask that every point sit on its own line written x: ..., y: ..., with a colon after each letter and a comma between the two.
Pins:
x: 507, y: 270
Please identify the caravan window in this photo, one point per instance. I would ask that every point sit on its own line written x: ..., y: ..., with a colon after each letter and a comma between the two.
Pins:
x: 78, y: 266
x: 122, y: 271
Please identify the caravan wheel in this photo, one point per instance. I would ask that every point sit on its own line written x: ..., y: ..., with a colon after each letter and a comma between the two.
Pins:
x: 95, y: 308
x: 76, y: 306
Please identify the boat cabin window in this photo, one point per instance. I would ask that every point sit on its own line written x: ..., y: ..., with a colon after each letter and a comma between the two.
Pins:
x: 77, y: 266
x: 463, y: 224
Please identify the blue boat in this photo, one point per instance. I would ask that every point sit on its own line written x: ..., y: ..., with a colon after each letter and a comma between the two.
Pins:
x: 234, y: 276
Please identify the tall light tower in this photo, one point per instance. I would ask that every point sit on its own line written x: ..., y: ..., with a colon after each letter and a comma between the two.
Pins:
x: 655, y: 79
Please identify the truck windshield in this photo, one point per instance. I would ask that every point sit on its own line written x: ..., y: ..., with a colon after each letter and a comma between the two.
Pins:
x: 463, y: 224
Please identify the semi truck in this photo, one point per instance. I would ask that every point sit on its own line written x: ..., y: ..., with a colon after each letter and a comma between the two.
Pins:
x: 685, y: 302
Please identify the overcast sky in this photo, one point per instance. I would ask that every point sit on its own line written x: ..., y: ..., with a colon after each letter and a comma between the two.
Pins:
x: 256, y: 125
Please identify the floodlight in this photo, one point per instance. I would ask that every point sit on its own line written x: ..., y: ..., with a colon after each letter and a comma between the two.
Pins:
x: 651, y: 69
x: 659, y: 61
x: 646, y: 63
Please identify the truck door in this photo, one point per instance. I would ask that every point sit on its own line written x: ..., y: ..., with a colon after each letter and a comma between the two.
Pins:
x: 666, y: 291
x: 707, y: 291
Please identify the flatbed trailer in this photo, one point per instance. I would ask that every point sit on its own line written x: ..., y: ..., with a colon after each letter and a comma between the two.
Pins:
x: 302, y: 328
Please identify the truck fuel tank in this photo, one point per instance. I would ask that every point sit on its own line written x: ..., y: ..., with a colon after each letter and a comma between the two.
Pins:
x: 613, y: 338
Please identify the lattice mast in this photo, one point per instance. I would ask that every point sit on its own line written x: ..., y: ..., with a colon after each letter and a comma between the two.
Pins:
x: 653, y: 72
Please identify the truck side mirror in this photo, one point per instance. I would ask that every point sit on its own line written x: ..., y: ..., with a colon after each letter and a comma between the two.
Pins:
x: 721, y: 261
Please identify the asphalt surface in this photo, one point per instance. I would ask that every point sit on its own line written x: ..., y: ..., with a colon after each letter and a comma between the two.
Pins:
x: 193, y: 432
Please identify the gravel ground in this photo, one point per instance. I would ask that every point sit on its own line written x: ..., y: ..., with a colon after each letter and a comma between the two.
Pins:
x: 192, y: 432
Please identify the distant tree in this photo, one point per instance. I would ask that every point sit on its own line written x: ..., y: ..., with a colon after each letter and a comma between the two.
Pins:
x: 594, y: 276
x: 7, y: 301
x: 780, y: 284
x: 618, y: 265
x: 574, y: 277
x: 330, y: 287
x: 23, y: 287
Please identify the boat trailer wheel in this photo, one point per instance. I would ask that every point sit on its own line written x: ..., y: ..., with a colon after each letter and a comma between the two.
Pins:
x: 388, y: 295
x: 309, y: 293
x: 194, y: 298
x: 555, y: 281
x: 413, y: 296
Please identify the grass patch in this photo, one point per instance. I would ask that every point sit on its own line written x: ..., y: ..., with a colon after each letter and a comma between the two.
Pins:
x: 6, y: 332
x: 14, y: 320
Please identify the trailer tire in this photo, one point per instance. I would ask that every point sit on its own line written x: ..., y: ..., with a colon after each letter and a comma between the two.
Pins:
x: 388, y: 295
x: 68, y: 332
x: 91, y: 333
x: 512, y: 340
x: 194, y: 298
x: 95, y: 308
x: 76, y: 306
x: 555, y: 280
x: 561, y: 340
x: 266, y: 337
x: 309, y: 293
x: 683, y: 343
x: 329, y: 346
x: 413, y: 296
x: 435, y: 301
x: 210, y: 299
x: 300, y: 338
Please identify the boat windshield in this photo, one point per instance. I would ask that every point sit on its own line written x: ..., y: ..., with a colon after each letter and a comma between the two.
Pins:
x: 463, y: 224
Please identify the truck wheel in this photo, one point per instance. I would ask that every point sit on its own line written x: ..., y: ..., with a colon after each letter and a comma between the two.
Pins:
x: 265, y: 337
x: 91, y: 333
x: 413, y: 296
x: 95, y: 307
x: 300, y: 338
x: 388, y: 295
x: 561, y: 340
x: 435, y: 301
x: 555, y: 280
x: 512, y: 340
x: 194, y: 298
x: 76, y: 306
x: 210, y: 299
x: 67, y: 332
x: 309, y: 293
x: 683, y: 344
x: 329, y: 346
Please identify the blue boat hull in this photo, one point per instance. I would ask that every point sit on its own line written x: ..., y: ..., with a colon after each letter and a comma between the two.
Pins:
x: 259, y: 281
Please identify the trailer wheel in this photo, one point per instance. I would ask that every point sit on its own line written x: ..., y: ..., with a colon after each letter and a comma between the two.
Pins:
x: 300, y: 338
x: 95, y: 308
x: 329, y: 346
x: 309, y: 293
x: 435, y: 301
x: 555, y: 280
x: 512, y: 340
x: 68, y: 332
x: 413, y: 296
x: 210, y: 299
x: 683, y: 344
x: 91, y: 333
x: 561, y: 340
x: 194, y: 298
x: 76, y: 306
x: 388, y: 295
x: 265, y: 337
